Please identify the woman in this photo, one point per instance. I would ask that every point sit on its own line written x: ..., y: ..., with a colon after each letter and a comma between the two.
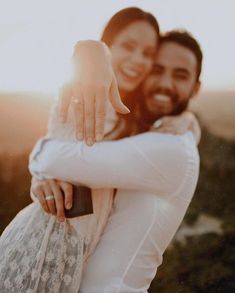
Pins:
x: 42, y: 254
x: 29, y: 262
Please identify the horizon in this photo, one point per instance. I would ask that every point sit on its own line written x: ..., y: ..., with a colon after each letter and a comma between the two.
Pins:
x: 24, y: 117
x: 35, y: 54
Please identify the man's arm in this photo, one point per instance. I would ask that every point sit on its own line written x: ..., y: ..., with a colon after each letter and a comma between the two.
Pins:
x: 150, y: 161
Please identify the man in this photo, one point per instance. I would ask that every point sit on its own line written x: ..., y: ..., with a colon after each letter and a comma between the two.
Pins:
x: 174, y: 81
x: 142, y: 224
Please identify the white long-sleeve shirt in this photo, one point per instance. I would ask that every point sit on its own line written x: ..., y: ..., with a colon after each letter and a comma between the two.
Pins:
x: 151, y: 161
x: 164, y: 164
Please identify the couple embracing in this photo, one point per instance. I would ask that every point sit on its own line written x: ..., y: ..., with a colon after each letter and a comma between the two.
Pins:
x: 121, y: 128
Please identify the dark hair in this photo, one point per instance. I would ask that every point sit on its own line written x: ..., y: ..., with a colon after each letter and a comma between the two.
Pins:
x: 130, y: 123
x: 185, y: 39
x: 122, y: 19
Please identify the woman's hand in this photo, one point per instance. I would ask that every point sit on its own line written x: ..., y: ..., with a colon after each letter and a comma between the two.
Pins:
x: 92, y: 85
x: 178, y: 125
x: 41, y: 189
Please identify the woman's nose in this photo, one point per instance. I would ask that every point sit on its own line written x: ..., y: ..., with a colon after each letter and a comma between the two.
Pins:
x: 138, y: 58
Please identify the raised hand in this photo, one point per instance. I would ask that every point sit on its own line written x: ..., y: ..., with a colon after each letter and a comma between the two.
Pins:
x: 92, y: 85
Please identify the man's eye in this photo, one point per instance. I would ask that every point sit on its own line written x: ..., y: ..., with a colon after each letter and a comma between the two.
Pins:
x: 181, y: 76
x: 157, y: 70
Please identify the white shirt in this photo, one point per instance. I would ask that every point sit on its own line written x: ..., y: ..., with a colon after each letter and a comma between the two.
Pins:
x: 150, y: 162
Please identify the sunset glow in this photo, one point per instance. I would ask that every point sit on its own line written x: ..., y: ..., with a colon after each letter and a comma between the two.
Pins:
x: 37, y: 37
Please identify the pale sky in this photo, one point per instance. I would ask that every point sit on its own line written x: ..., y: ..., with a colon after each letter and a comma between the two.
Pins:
x: 37, y: 36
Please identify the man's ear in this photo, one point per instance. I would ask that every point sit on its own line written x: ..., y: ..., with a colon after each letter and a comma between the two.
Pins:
x: 196, y: 88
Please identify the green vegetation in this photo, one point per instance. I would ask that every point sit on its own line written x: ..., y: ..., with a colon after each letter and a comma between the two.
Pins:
x: 204, y: 263
x: 14, y: 186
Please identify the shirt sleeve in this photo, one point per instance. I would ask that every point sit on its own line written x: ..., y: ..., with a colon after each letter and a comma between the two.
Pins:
x: 151, y: 161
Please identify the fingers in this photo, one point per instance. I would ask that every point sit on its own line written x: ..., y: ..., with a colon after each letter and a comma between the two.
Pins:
x: 89, y: 107
x: 169, y: 129
x: 65, y: 95
x: 50, y: 203
x: 100, y: 113
x: 78, y: 108
x: 59, y: 200
x: 50, y: 187
x: 67, y: 189
x: 39, y: 194
x: 115, y: 98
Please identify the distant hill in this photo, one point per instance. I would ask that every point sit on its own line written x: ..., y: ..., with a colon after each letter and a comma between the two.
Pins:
x: 23, y: 117
x: 216, y: 111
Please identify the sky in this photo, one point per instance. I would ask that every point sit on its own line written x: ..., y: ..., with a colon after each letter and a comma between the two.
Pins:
x: 37, y: 37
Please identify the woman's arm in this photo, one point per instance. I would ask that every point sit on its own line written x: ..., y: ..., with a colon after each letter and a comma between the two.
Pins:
x: 93, y: 83
x: 150, y: 161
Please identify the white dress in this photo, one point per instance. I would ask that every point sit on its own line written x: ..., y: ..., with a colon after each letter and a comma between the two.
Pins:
x: 156, y: 176
x: 40, y: 254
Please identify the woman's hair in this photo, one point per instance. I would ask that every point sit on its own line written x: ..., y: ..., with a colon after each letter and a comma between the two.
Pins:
x: 131, y: 123
x: 124, y: 18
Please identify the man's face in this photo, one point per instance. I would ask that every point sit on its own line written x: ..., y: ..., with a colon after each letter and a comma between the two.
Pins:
x: 173, y: 80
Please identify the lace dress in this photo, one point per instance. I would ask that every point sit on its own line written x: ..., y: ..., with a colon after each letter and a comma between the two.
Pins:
x: 40, y: 254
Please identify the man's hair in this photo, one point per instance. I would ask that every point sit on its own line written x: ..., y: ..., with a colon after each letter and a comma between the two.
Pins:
x: 185, y: 39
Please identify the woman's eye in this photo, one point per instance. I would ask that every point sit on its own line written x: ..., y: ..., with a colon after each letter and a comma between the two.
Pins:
x: 149, y: 54
x: 128, y: 46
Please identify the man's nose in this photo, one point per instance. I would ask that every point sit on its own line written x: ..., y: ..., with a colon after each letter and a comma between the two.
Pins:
x: 165, y: 81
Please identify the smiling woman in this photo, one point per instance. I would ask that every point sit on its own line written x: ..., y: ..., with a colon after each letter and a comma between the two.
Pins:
x: 136, y: 45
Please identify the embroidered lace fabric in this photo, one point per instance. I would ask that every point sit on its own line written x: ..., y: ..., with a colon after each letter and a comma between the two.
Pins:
x: 41, y: 255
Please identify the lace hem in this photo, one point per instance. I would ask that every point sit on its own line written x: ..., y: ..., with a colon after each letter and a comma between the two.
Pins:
x: 39, y: 254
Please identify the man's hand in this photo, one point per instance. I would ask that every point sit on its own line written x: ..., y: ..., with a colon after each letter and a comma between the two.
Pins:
x: 92, y: 85
x: 178, y: 125
x: 55, y: 206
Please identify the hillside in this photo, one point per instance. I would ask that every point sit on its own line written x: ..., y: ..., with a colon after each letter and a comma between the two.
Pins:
x: 23, y: 117
x: 216, y: 110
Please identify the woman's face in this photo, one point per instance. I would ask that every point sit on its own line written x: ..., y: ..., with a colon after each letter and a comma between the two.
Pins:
x: 133, y: 52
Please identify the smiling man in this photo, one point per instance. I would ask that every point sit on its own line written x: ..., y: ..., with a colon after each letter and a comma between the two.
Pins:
x: 175, y: 76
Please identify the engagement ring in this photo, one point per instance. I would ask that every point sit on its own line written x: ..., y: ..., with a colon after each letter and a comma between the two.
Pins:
x: 75, y: 101
x: 158, y: 123
x: 49, y: 197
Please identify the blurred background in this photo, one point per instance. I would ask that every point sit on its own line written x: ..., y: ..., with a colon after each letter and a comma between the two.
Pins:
x: 36, y: 42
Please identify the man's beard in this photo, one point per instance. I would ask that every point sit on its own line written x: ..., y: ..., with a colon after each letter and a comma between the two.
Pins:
x: 180, y: 107
x: 177, y: 106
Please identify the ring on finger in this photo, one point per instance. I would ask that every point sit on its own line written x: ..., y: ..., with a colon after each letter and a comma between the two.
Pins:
x: 157, y: 123
x: 49, y: 197
x: 75, y: 100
